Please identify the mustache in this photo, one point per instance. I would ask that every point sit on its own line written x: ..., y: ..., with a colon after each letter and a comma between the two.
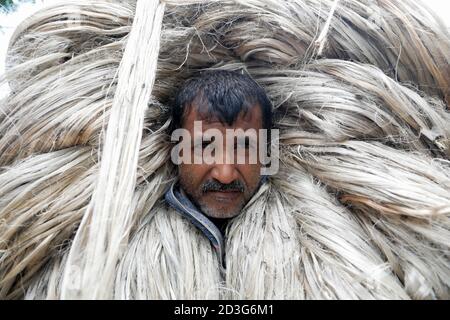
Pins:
x: 214, y: 185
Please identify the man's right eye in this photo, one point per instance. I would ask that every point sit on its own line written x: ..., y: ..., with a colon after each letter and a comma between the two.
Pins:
x: 205, y: 144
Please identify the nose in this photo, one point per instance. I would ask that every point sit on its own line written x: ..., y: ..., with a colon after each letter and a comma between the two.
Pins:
x: 225, y: 173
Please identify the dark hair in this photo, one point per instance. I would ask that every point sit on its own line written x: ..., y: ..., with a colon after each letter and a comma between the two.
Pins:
x: 223, y: 94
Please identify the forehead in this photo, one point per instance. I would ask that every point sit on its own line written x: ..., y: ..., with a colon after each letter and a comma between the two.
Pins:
x: 252, y: 119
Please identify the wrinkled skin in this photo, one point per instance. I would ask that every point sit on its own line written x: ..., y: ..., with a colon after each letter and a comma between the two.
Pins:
x: 221, y: 190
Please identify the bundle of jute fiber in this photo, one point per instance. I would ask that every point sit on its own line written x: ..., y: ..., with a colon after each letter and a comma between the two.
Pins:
x: 359, y: 209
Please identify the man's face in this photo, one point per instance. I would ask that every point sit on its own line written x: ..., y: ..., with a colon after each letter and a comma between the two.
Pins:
x: 222, y: 188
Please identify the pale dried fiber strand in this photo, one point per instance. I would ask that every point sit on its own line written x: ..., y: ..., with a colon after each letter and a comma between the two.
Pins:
x: 338, y: 261
x: 399, y: 37
x: 51, y: 195
x: 409, y: 245
x: 168, y: 258
x: 358, y: 102
x: 104, y: 229
x: 320, y: 42
x: 265, y: 254
x: 201, y: 50
x: 412, y: 185
x: 34, y: 206
x: 359, y: 209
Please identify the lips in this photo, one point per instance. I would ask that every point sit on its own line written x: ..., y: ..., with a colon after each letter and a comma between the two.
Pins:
x: 225, y: 196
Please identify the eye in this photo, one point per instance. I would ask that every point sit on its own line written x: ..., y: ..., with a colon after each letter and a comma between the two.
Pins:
x: 205, y: 144
x: 243, y: 143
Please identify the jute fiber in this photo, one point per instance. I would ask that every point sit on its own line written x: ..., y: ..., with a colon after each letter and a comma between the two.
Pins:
x: 360, y: 208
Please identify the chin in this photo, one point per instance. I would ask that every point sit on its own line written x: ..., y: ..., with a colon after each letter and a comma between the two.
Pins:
x: 220, y: 214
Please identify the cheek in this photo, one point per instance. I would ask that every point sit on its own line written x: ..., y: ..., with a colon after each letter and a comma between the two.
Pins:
x: 191, y: 176
x: 251, y: 174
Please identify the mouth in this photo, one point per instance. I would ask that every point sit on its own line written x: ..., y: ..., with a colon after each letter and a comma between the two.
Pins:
x: 225, y: 195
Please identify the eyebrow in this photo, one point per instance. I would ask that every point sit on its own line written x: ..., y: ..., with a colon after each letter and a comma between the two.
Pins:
x: 208, y: 117
x: 204, y: 114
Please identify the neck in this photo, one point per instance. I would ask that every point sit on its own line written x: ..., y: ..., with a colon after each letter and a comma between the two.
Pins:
x: 220, y: 223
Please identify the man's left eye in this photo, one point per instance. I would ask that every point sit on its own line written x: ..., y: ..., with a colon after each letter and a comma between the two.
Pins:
x: 243, y: 143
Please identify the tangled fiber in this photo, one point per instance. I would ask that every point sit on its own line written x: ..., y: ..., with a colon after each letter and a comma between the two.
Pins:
x: 359, y: 209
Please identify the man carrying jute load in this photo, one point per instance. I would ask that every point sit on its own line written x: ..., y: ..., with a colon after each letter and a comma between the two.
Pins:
x: 358, y: 207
